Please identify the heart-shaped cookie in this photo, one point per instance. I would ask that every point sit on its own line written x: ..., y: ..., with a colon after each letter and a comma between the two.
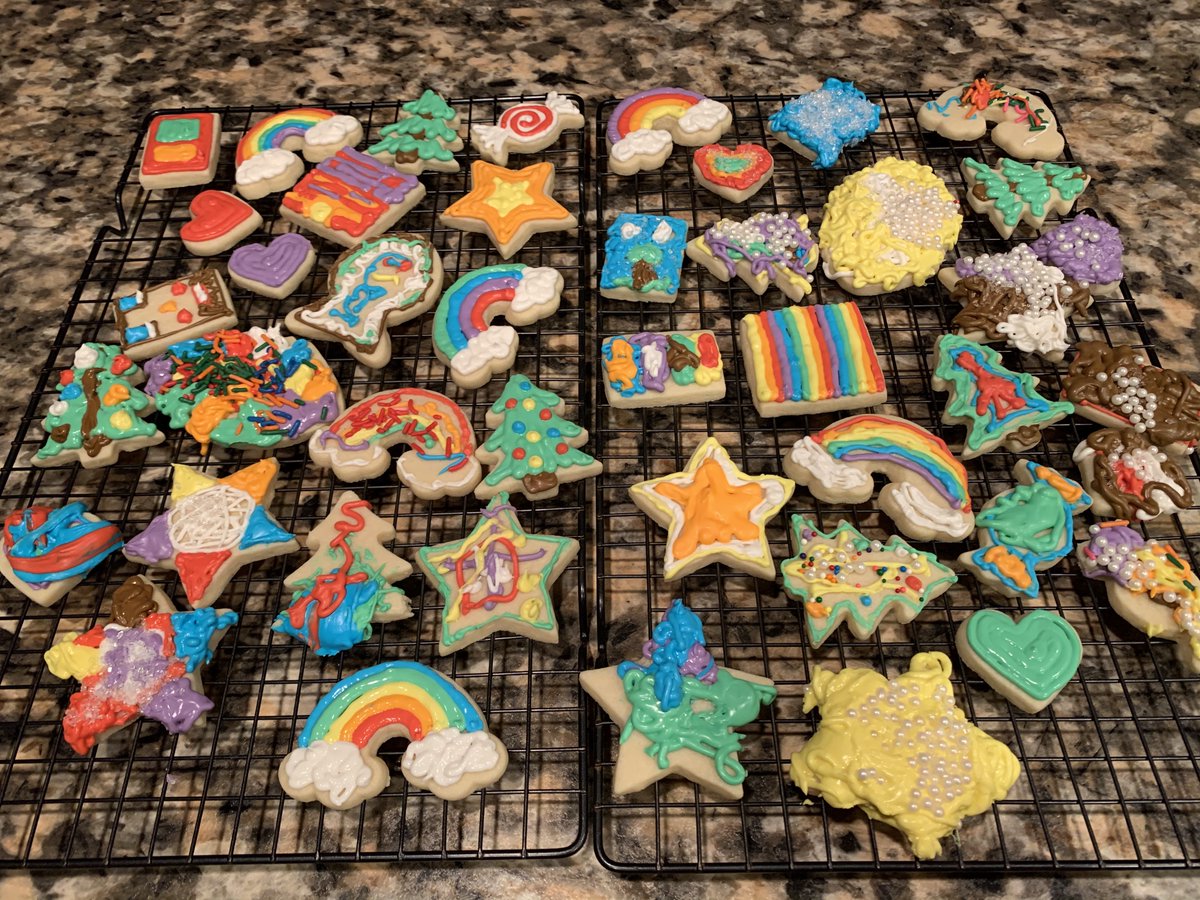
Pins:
x: 735, y: 173
x: 1028, y: 661
x: 219, y: 220
x: 274, y: 269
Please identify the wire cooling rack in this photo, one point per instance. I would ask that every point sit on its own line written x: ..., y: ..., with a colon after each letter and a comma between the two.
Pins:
x: 212, y: 796
x: 1110, y: 772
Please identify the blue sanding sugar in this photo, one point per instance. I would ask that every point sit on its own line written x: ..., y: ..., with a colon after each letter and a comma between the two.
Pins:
x: 826, y: 120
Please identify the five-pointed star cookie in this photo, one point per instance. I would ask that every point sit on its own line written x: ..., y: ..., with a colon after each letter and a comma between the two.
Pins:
x: 714, y: 512
x: 509, y: 205
x: 497, y: 578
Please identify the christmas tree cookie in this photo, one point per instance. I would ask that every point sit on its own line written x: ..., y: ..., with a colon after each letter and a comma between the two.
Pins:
x: 423, y: 138
x: 532, y: 448
x: 347, y: 584
x: 98, y: 413
x: 1014, y: 192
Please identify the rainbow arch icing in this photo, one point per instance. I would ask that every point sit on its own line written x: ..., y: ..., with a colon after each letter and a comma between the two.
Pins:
x: 451, y: 752
x: 274, y: 131
x: 660, y: 115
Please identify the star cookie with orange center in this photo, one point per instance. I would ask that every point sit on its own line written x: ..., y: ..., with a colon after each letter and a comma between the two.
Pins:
x: 714, y: 512
x: 509, y: 205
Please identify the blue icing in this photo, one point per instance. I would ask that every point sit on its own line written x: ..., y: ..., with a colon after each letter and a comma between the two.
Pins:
x: 133, y: 301
x: 71, y: 391
x: 194, y: 630
x: 677, y: 648
x: 835, y: 116
x: 622, y: 253
x: 342, y: 628
x: 262, y: 529
x: 637, y: 387
x: 136, y: 334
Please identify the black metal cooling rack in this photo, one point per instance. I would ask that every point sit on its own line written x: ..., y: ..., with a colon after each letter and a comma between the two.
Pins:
x: 212, y: 796
x: 1111, y: 771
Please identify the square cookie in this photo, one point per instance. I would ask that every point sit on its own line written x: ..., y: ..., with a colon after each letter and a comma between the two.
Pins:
x: 643, y: 258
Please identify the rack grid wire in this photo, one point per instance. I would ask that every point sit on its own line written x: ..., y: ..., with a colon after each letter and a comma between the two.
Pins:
x: 1110, y: 771
x: 212, y: 796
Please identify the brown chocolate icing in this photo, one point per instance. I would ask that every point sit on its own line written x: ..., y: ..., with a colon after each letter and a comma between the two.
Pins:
x: 60, y: 433
x: 540, y: 483
x: 132, y: 602
x: 680, y: 357
x: 1107, y: 483
x: 986, y: 305
x: 93, y: 440
x: 643, y: 274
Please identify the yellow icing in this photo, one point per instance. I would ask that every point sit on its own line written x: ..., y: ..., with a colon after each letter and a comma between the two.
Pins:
x: 187, y: 481
x: 66, y: 659
x: 300, y: 379
x: 121, y: 421
x: 880, y: 743
x: 390, y: 689
x: 508, y: 195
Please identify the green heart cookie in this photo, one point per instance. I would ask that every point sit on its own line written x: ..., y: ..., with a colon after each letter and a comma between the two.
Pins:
x: 1037, y: 654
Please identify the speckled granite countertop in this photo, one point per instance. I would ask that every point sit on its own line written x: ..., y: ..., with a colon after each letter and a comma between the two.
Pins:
x: 81, y: 75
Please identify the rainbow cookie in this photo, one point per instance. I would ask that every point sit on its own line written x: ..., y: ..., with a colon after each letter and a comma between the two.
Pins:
x: 1014, y: 192
x: 440, y: 460
x: 1029, y: 661
x: 926, y: 494
x: 736, y: 173
x: 646, y: 125
x: 1087, y: 249
x: 423, y: 138
x: 653, y: 368
x: 498, y: 578
x: 319, y: 133
x: 1025, y: 530
x: 901, y: 750
x: 464, y: 338
x: 372, y: 287
x: 714, y: 512
x: 643, y: 258
x: 820, y: 124
x: 46, y: 551
x: 767, y: 248
x: 809, y: 359
x: 888, y: 227
x: 450, y: 753
x: 182, y: 150
x: 679, y: 712
x: 1024, y: 126
x: 526, y: 128
x: 997, y: 405
x: 218, y: 221
x: 1130, y: 478
x: 191, y: 306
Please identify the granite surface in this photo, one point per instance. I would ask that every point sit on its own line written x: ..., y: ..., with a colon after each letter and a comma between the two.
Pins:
x: 80, y: 76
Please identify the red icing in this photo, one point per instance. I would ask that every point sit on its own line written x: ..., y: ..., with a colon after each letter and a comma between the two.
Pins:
x: 197, y: 570
x: 759, y: 159
x: 561, y: 449
x: 518, y: 453
x: 214, y: 213
x: 66, y: 376
x: 121, y: 363
x: 92, y: 637
x: 89, y: 716
x: 1127, y: 480
x: 161, y: 622
x: 510, y: 403
x: 710, y: 353
x: 183, y: 317
x: 330, y: 588
x: 202, y: 147
x: 468, y: 605
x: 545, y: 415
x: 179, y: 288
x: 995, y: 393
x: 371, y: 726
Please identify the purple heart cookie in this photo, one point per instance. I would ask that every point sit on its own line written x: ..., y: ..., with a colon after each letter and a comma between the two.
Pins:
x: 275, y: 269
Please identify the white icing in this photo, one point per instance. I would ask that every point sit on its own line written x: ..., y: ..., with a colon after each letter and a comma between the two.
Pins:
x: 274, y: 333
x: 59, y: 408
x: 643, y: 142
x: 336, y: 130
x: 831, y: 473
x: 85, y: 357
x: 704, y: 116
x: 336, y: 768
x: 498, y: 342
x: 654, y: 362
x: 630, y: 230
x: 919, y: 511
x: 1037, y: 331
x: 265, y: 166
x: 663, y: 234
x: 491, y: 138
x: 211, y: 519
x: 561, y: 105
x: 539, y: 285
x: 1147, y: 467
x: 445, y: 756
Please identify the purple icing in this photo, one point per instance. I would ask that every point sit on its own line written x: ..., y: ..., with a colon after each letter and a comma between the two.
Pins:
x: 614, y: 121
x: 311, y: 412
x: 699, y: 664
x: 1085, y: 248
x: 1119, y: 541
x: 929, y: 478
x: 133, y: 663
x: 158, y: 374
x: 368, y: 175
x: 176, y: 705
x: 271, y: 264
x: 763, y: 259
x: 653, y: 381
x: 153, y: 544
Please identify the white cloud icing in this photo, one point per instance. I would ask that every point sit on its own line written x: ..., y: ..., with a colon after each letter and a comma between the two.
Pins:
x: 494, y: 343
x: 445, y: 756
x: 643, y: 142
x: 266, y: 165
x: 705, y: 115
x: 331, y: 131
x: 663, y: 233
x: 85, y: 357
x: 539, y: 285
x: 839, y: 476
x: 335, y: 768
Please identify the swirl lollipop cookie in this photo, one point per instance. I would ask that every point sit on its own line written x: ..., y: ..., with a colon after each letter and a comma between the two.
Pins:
x: 526, y: 128
x: 645, y: 126
x: 1024, y: 126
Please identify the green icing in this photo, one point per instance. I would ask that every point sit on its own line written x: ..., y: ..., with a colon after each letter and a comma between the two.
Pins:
x: 426, y: 137
x: 520, y: 422
x: 1017, y: 185
x: 646, y: 253
x: 1067, y: 180
x: 430, y: 105
x: 1028, y: 182
x: 731, y: 165
x: 171, y: 131
x: 1037, y: 655
x: 1030, y: 516
x: 1009, y: 205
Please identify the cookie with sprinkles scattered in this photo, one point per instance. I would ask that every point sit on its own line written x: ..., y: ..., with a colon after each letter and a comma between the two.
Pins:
x: 819, y: 125
x: 1086, y: 249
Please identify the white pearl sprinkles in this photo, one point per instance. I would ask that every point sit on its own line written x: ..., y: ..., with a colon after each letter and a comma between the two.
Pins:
x: 1132, y: 401
x: 912, y: 214
x: 1042, y: 286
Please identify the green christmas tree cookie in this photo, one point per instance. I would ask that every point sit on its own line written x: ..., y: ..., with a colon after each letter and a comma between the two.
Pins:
x: 423, y: 138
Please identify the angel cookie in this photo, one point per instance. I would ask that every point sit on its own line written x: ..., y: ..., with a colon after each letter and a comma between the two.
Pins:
x: 766, y: 249
x: 653, y: 368
x: 1024, y: 126
x: 820, y: 124
x: 1130, y: 478
x: 526, y: 128
x: 678, y: 710
x: 1014, y: 192
x: 46, y: 551
x: 714, y: 512
x: 645, y: 126
x: 423, y: 138
x: 643, y: 258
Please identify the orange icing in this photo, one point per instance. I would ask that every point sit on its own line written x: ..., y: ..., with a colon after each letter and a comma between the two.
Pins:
x: 1008, y: 565
x: 714, y: 511
x: 502, y: 217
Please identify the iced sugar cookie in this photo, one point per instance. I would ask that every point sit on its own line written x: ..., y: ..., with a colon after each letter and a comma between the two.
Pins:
x: 268, y: 172
x: 273, y: 270
x: 1025, y: 530
x: 181, y: 151
x: 464, y: 338
x: 714, y: 512
x: 1014, y: 192
x: 843, y: 576
x: 807, y: 359
x: 498, y: 578
x: 318, y: 133
x: 372, y: 287
x: 1024, y: 126
x: 532, y: 448
x: 440, y: 460
x: 643, y: 258
x: 450, y: 752
x: 679, y: 712
x: 902, y: 751
x: 526, y: 128
x: 329, y: 136
x: 218, y: 221
x: 998, y: 406
x: 212, y: 528
x: 926, y: 494
x: 1086, y: 249
x: 646, y: 125
x: 254, y: 389
x: 735, y: 173
x: 46, y: 551
x: 1014, y: 297
x: 887, y: 227
x: 1150, y: 586
x: 819, y: 125
x: 424, y: 137
x: 98, y: 413
x: 1029, y: 661
x: 509, y: 205
x: 653, y: 368
x: 150, y: 321
x: 1130, y: 478
x: 346, y: 586
x: 1118, y: 386
x: 351, y: 197
x: 143, y: 663
x: 765, y: 249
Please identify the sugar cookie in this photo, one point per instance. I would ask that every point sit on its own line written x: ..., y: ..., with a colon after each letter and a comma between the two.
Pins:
x: 1024, y: 126
x: 646, y: 125
x: 643, y: 258
x: 219, y: 220
x: 735, y: 173
x: 47, y: 551
x: 662, y: 368
x: 526, y: 128
x: 424, y: 137
x: 1130, y: 478
x: 766, y: 249
x: 273, y: 270
x: 181, y: 151
x: 1086, y: 249
x: 1029, y: 661
x: 819, y: 125
x: 1014, y: 192
x: 268, y: 172
x: 192, y: 305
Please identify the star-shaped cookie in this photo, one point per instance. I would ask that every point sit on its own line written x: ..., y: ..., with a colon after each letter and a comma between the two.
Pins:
x: 714, y: 512
x: 509, y: 205
x: 497, y: 578
x: 213, y: 527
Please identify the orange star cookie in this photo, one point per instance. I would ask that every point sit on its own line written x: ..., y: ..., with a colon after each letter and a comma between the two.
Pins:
x: 509, y: 205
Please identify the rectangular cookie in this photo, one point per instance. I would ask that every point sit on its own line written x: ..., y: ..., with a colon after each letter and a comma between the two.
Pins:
x: 654, y: 368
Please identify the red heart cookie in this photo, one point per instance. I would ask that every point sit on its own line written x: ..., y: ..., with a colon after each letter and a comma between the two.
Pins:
x: 215, y: 214
x: 736, y: 169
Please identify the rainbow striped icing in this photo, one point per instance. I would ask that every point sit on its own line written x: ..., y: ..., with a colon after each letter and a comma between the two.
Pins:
x: 811, y: 354
x: 335, y: 757
x: 272, y: 132
x: 644, y: 125
x: 643, y: 109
